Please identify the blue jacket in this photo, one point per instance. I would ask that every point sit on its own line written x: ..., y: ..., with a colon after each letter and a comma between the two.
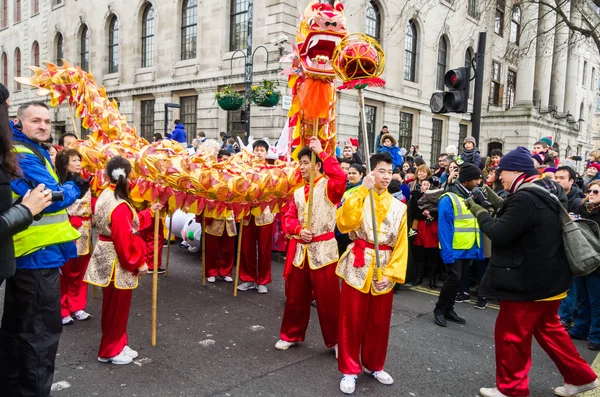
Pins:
x: 405, y: 191
x: 394, y: 151
x: 178, y: 134
x: 446, y: 235
x: 33, y: 170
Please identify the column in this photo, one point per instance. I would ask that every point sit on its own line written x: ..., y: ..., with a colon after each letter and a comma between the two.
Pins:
x: 559, y: 63
x: 528, y: 45
x: 572, y: 66
x: 543, y: 57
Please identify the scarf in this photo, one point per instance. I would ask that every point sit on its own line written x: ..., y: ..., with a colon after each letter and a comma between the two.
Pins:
x: 353, y: 185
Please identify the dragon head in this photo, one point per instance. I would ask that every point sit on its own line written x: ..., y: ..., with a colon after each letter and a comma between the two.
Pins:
x: 321, y: 29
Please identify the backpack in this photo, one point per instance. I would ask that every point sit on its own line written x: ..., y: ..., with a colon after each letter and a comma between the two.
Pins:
x: 581, y: 237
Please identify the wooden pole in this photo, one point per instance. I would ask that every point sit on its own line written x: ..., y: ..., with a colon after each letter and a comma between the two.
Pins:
x: 203, y: 251
x: 169, y: 244
x: 361, y: 102
x: 95, y: 292
x: 311, y: 180
x: 73, y: 120
x: 155, y: 276
x: 237, y: 262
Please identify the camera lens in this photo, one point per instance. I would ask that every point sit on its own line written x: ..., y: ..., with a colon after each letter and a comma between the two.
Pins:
x: 57, y: 196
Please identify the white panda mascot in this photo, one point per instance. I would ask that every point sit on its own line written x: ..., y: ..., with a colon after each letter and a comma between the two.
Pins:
x: 191, y: 234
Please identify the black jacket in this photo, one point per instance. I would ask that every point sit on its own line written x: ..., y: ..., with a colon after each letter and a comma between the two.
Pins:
x: 528, y: 260
x: 574, y: 196
x: 13, y: 219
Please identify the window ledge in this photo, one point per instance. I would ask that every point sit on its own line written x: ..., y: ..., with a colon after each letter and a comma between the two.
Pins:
x: 475, y: 20
x: 57, y: 6
x: 16, y: 23
x: 448, y: 4
x: 411, y: 84
x: 187, y: 62
x: 35, y: 15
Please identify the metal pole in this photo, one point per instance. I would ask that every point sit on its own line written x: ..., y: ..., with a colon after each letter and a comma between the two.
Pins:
x: 166, y: 119
x: 248, y: 72
x: 478, y: 95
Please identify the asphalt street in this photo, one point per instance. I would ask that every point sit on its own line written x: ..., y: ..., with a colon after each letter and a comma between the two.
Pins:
x: 212, y: 344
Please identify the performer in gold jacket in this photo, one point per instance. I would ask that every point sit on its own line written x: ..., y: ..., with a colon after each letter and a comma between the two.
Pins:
x: 366, y: 303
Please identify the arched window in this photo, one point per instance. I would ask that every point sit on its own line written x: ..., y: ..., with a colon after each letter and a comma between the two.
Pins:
x: 189, y: 23
x: 84, y: 48
x: 17, y: 10
x: 4, y: 69
x: 373, y: 22
x: 35, y: 51
x: 410, y: 51
x: 36, y: 6
x: 18, y: 66
x: 113, y: 45
x: 148, y: 36
x: 59, y: 50
x: 442, y: 62
x: 515, y: 25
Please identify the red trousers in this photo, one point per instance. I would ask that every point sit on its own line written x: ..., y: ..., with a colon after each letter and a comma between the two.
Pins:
x: 220, y: 253
x: 364, y: 322
x: 115, y: 313
x: 300, y: 285
x: 73, y: 291
x: 148, y: 236
x: 255, y: 263
x: 516, y: 324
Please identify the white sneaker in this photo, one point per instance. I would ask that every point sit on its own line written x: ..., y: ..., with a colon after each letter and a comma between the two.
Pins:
x: 571, y: 390
x: 128, y: 351
x: 211, y: 279
x: 491, y: 392
x: 68, y: 320
x: 348, y: 384
x: 383, y: 377
x: 81, y: 315
x: 228, y: 279
x: 283, y: 344
x: 121, y: 359
x: 246, y: 286
x: 262, y: 289
x: 335, y: 348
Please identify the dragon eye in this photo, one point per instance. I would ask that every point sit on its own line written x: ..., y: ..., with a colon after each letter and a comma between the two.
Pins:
x: 310, y: 21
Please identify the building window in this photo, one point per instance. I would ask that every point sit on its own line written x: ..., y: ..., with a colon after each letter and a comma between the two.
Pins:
x: 36, y: 6
x: 406, y: 128
x: 113, y: 45
x: 593, y: 81
x: 60, y: 49
x: 4, y: 13
x: 236, y: 125
x: 373, y: 23
x: 583, y: 78
x: 371, y: 118
x: 147, y: 36
x: 189, y: 24
x: 496, y: 91
x: 499, y: 18
x: 238, y: 30
x: 436, y: 137
x: 442, y: 62
x: 18, y: 66
x: 410, y: 51
x: 472, y: 8
x: 84, y: 48
x: 515, y: 25
x: 56, y: 2
x: 35, y: 50
x: 511, y: 86
x: 17, y: 11
x: 463, y: 130
x: 580, y: 111
x: 147, y: 120
x: 598, y: 105
x: 4, y: 69
x: 187, y: 115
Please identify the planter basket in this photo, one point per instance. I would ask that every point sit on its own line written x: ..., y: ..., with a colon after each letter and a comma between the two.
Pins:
x: 272, y: 100
x: 230, y: 103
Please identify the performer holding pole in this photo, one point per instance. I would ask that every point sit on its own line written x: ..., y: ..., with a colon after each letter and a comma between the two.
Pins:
x: 155, y: 276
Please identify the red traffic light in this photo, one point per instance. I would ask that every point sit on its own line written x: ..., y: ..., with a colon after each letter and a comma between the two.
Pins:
x: 457, y: 79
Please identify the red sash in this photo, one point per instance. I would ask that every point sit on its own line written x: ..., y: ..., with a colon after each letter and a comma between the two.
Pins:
x: 291, y: 251
x: 359, y: 251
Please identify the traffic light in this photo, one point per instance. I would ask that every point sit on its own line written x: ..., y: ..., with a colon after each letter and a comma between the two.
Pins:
x: 456, y: 99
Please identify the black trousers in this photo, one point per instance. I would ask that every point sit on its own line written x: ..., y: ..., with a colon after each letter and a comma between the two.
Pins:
x: 426, y: 259
x: 451, y: 286
x: 30, y: 331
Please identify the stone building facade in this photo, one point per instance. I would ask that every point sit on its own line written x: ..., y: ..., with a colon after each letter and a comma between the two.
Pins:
x: 148, y: 53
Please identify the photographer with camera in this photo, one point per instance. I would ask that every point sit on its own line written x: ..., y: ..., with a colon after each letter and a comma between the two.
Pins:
x: 31, y: 323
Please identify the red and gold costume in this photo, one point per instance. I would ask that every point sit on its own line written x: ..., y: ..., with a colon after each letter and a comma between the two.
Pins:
x: 73, y: 291
x: 114, y: 265
x: 365, y: 310
x: 257, y: 241
x: 220, y: 246
x: 148, y: 236
x: 308, y: 266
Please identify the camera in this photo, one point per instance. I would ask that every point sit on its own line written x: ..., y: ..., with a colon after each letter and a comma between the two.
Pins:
x: 480, y: 197
x: 280, y: 40
x: 57, y: 196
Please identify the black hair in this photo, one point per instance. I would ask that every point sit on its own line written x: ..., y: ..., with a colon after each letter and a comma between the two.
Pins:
x: 419, y: 161
x: 358, y: 167
x: 307, y: 152
x: 435, y: 182
x: 571, y: 171
x: 121, y: 183
x: 61, y: 140
x: 223, y: 152
x: 384, y: 157
x: 496, y: 152
x: 394, y: 186
x: 158, y: 137
x: 261, y: 143
x: 344, y: 160
x: 61, y: 163
x: 543, y: 144
x: 385, y: 126
x: 177, y: 121
x: 8, y: 158
x: 411, y: 170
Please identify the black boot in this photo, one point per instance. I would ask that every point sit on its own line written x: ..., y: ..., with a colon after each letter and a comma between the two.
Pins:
x: 432, y: 283
x: 418, y: 281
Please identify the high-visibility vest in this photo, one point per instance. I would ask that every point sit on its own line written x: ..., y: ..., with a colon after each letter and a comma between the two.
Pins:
x: 466, y: 227
x: 53, y: 228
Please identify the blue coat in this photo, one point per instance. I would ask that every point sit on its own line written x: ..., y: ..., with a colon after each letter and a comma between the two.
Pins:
x: 446, y: 235
x: 33, y: 170
x: 178, y: 134
x: 394, y: 151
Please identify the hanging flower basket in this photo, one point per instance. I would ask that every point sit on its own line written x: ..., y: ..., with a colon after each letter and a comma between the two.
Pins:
x: 228, y: 99
x: 266, y: 94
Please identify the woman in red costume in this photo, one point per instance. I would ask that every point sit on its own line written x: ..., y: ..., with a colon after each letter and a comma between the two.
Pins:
x: 118, y: 259
x: 73, y: 291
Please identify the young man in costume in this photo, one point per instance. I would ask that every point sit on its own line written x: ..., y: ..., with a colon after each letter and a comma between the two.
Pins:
x: 312, y: 250
x: 366, y: 302
x: 257, y: 240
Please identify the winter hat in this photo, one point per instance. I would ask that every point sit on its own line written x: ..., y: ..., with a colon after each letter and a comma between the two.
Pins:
x: 538, y: 158
x: 4, y: 94
x: 470, y: 139
x: 451, y: 149
x: 595, y: 165
x: 390, y: 137
x: 354, y: 142
x: 469, y: 172
x: 547, y: 139
x: 518, y: 159
x: 403, y: 151
x: 550, y: 169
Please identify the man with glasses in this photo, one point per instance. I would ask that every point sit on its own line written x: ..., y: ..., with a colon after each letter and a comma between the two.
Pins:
x: 441, y: 171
